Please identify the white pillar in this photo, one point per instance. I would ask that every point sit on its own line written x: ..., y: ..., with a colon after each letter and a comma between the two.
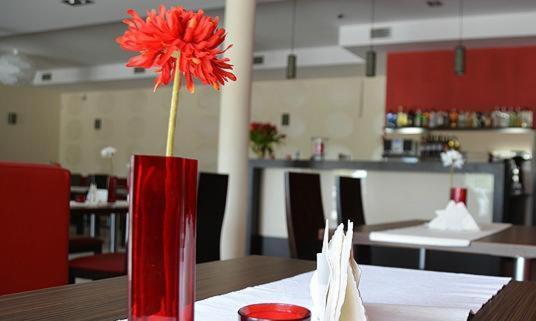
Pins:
x: 234, y: 124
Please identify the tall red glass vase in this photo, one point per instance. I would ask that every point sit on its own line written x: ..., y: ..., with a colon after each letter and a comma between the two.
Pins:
x: 161, y: 267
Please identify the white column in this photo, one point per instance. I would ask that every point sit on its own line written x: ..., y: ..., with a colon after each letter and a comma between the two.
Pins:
x: 234, y: 124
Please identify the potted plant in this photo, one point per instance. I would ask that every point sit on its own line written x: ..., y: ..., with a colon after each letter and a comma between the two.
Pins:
x: 454, y: 159
x: 263, y: 137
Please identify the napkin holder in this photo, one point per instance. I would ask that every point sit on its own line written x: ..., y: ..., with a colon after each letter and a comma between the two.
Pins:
x: 334, y: 285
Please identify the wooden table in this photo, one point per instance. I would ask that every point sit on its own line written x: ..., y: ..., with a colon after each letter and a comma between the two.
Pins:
x: 518, y: 242
x: 102, y: 209
x: 107, y: 299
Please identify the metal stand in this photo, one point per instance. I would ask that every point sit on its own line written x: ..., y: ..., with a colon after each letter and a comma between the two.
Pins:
x: 92, y: 225
x: 522, y: 270
x: 422, y: 259
x: 112, y: 233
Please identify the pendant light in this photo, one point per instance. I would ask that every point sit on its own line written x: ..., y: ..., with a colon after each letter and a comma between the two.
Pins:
x: 459, y: 52
x: 292, y: 59
x: 371, y: 54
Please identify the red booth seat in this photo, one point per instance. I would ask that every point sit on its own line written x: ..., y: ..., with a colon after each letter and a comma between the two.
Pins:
x: 34, y: 211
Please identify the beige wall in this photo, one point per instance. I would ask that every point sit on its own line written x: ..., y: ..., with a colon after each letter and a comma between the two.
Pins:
x: 349, y: 111
x: 35, y: 137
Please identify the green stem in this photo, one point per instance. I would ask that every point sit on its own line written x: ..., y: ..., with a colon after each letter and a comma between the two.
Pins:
x: 173, y: 110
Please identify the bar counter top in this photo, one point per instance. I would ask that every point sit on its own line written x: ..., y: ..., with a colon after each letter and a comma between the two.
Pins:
x: 424, y: 166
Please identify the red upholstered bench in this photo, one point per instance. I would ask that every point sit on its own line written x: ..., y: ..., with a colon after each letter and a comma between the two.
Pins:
x: 98, y: 266
x: 34, y: 232
x: 78, y: 244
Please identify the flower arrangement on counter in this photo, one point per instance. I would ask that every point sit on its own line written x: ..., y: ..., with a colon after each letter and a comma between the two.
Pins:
x: 177, y: 42
x: 109, y: 153
x: 453, y: 159
x: 263, y: 137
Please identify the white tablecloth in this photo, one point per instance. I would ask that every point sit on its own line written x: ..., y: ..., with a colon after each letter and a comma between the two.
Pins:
x: 389, y: 294
x: 422, y: 235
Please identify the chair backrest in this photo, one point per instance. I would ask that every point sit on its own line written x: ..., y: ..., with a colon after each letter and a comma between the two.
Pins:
x: 305, y: 214
x: 101, y: 180
x: 211, y: 200
x: 349, y: 200
x: 34, y: 211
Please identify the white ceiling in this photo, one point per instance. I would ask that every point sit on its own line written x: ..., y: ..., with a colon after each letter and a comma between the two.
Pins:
x: 58, y: 35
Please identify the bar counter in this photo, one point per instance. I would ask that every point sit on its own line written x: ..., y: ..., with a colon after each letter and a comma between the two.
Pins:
x: 261, y: 171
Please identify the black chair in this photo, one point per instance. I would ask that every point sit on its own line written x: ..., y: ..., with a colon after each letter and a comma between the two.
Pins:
x: 101, y: 180
x: 350, y: 207
x: 211, y: 201
x: 305, y: 214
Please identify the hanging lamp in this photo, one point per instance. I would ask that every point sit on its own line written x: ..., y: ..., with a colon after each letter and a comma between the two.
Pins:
x: 371, y: 54
x: 291, y: 58
x: 459, y: 52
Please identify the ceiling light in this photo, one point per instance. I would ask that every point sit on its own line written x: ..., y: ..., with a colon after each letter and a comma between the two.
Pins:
x: 370, y: 70
x: 76, y: 3
x: 16, y: 69
x: 291, y: 58
x: 434, y: 3
x: 459, y: 51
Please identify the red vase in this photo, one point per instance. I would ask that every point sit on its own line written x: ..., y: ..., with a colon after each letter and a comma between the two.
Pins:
x: 459, y: 195
x: 112, y: 189
x: 161, y: 267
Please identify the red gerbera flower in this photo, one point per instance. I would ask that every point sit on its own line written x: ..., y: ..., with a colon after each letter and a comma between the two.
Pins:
x: 166, y: 33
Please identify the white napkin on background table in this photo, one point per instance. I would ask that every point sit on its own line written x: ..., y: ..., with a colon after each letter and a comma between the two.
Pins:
x: 455, y: 217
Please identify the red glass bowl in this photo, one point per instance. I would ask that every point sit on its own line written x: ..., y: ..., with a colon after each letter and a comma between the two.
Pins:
x: 274, y: 312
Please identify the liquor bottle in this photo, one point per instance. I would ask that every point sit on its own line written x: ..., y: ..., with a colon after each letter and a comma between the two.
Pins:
x: 418, y: 121
x: 477, y: 120
x: 462, y: 119
x: 504, y: 118
x: 427, y: 119
x: 401, y: 117
x: 453, y: 118
x: 390, y: 119
x: 411, y: 119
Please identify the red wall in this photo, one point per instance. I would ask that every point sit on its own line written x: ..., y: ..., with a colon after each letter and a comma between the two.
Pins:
x: 494, y: 76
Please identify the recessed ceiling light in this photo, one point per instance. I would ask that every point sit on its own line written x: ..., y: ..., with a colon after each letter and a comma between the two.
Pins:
x: 76, y: 3
x: 434, y: 3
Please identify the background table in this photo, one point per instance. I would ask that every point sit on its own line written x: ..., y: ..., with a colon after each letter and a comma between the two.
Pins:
x: 518, y: 242
x: 105, y: 209
x: 107, y: 299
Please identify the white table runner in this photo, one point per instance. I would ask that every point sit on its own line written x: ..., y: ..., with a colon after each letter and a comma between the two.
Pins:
x: 390, y: 294
x: 422, y: 235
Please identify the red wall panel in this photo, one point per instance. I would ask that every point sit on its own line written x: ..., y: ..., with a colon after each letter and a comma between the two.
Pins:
x: 494, y: 76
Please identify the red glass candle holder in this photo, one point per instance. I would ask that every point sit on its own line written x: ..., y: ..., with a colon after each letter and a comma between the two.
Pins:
x: 112, y: 189
x: 161, y: 266
x: 274, y: 312
x: 459, y: 195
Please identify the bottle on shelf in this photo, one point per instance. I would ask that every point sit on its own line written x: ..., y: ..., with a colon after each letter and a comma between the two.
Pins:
x: 500, y: 117
x: 401, y: 117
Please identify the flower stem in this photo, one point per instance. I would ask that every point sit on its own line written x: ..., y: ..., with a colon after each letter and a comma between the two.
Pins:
x: 173, y: 110
x: 452, y: 176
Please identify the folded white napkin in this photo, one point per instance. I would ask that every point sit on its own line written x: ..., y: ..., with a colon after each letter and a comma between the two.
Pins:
x: 95, y: 195
x: 334, y: 285
x: 455, y: 217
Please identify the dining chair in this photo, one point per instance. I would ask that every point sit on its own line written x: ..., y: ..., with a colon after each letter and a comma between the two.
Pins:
x: 34, y: 211
x: 305, y: 214
x: 211, y: 201
x: 350, y: 207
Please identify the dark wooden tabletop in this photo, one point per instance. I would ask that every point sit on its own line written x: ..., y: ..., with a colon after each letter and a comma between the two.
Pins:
x: 106, y: 300
x: 99, y: 209
x: 515, y: 241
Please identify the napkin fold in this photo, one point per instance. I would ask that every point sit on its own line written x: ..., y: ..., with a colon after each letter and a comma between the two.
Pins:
x: 334, y: 285
x: 455, y: 217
